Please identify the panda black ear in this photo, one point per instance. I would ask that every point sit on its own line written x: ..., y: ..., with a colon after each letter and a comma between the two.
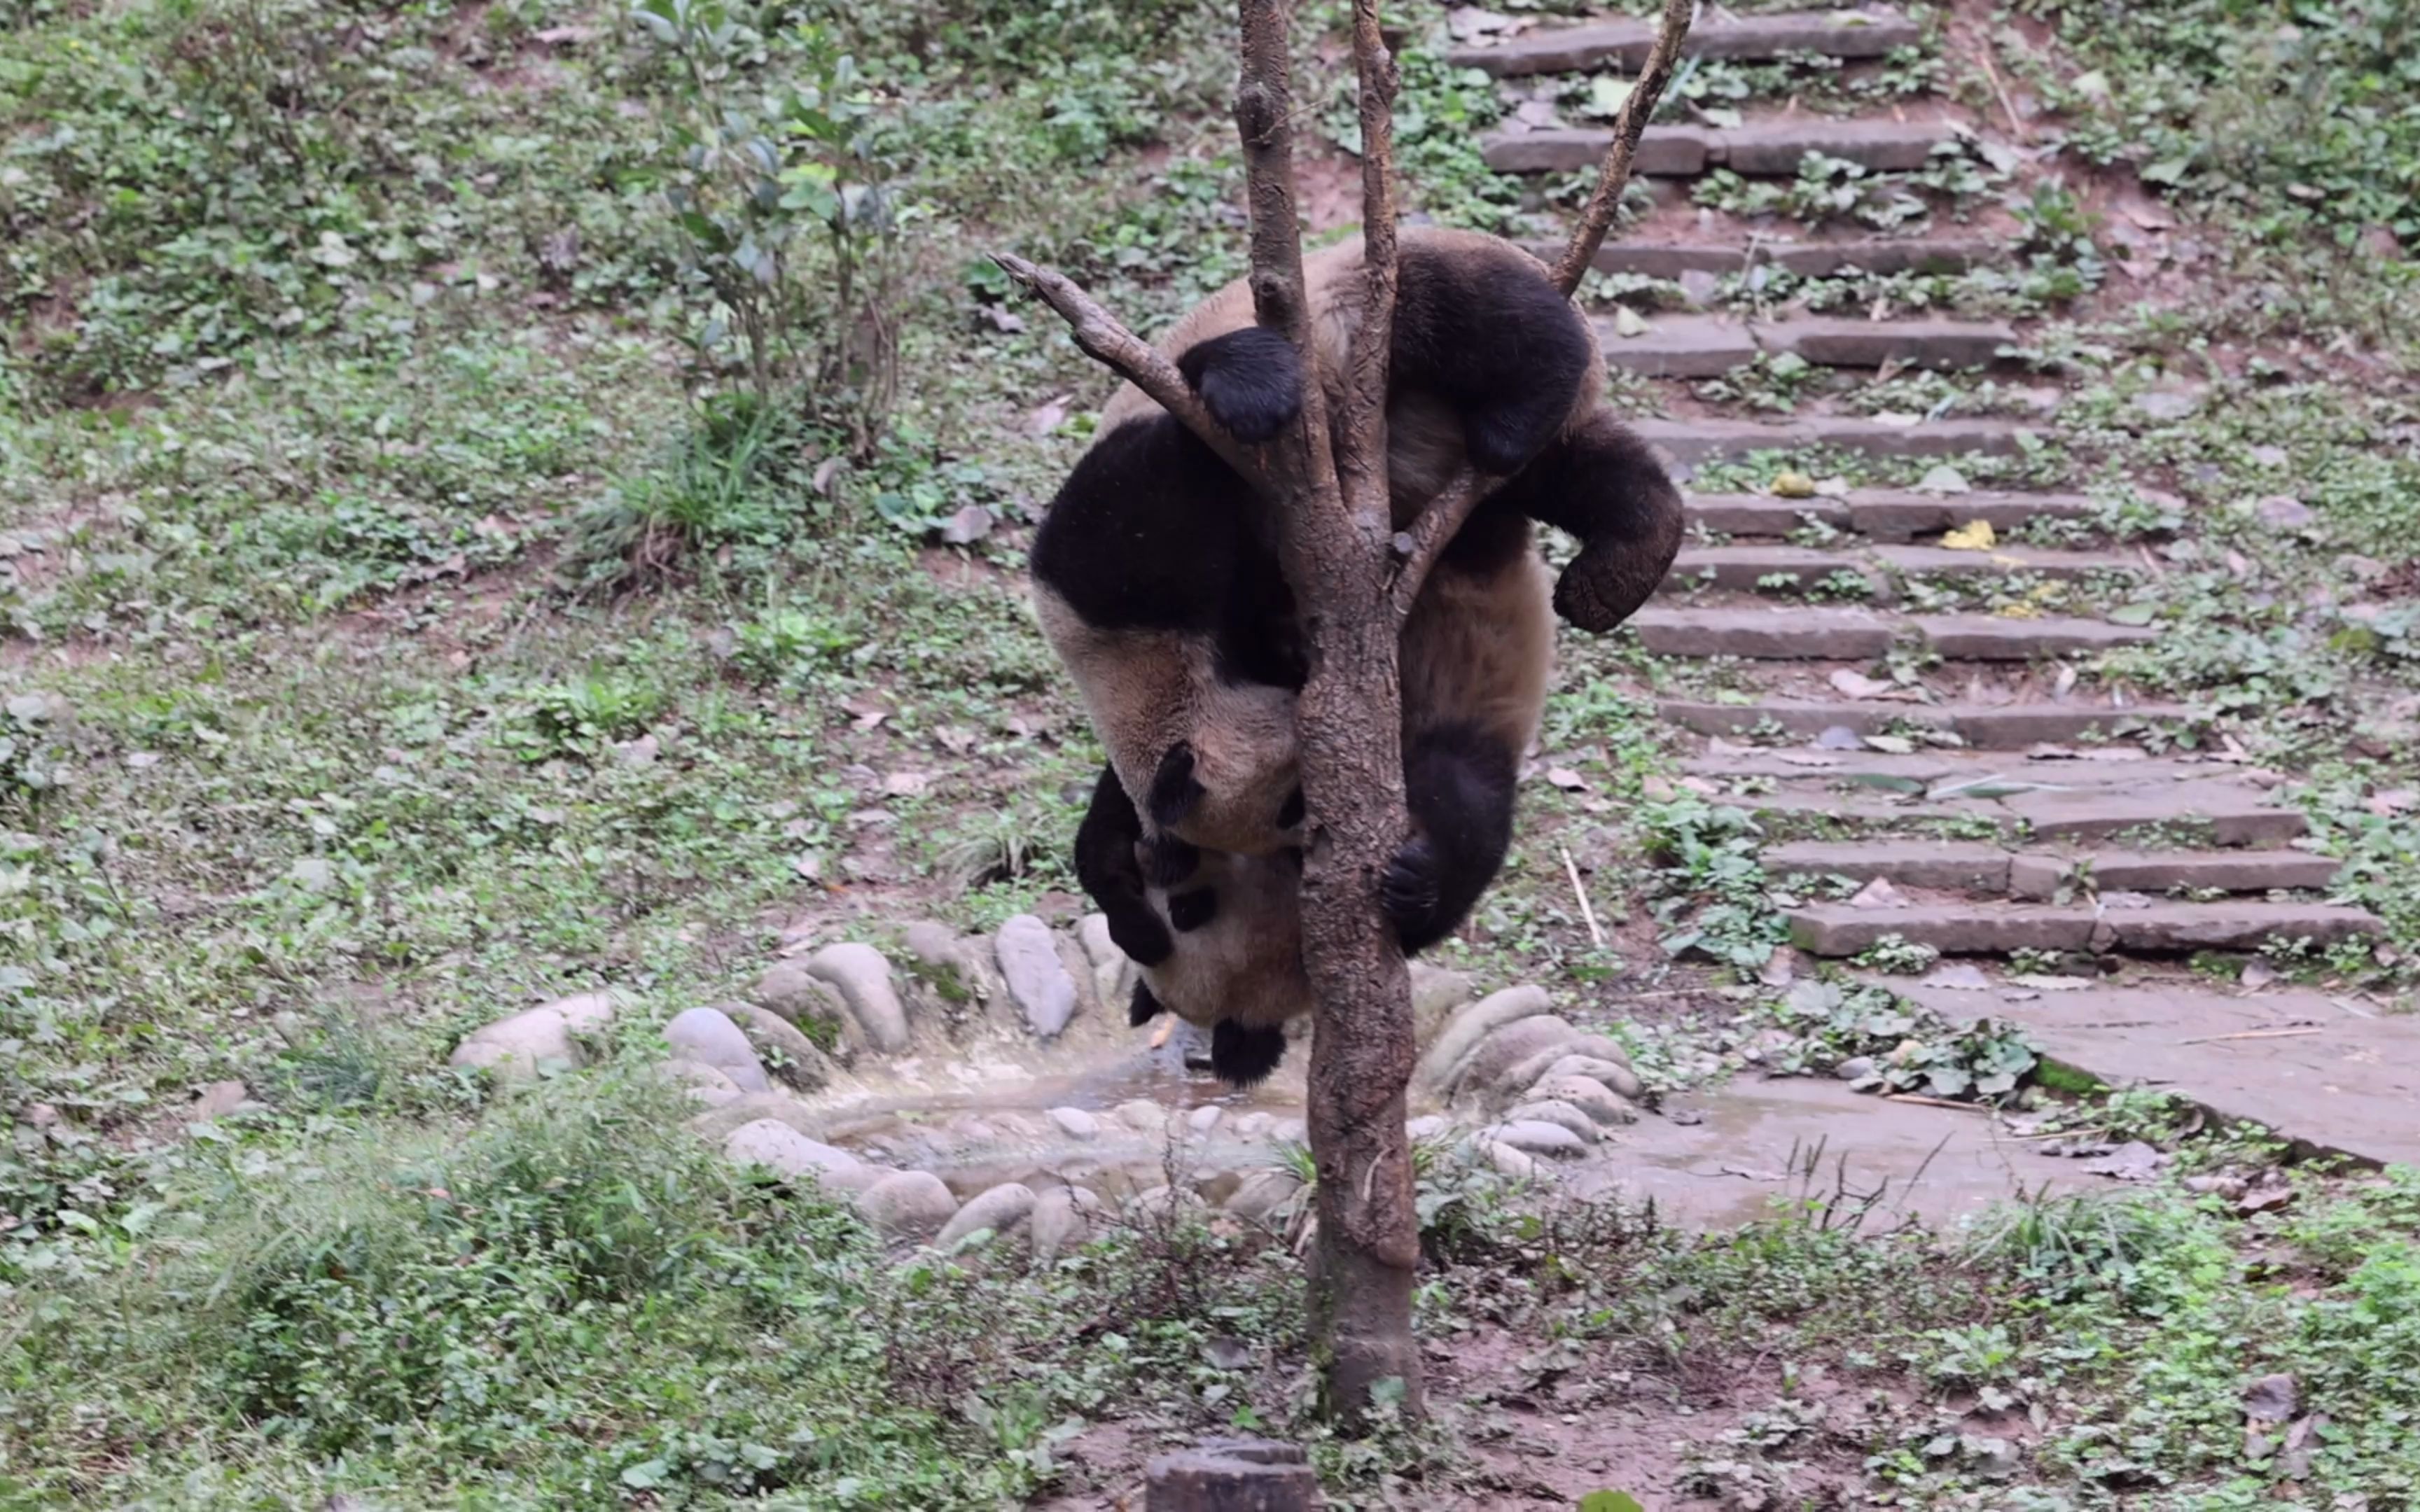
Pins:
x: 1144, y: 1007
x: 1251, y: 380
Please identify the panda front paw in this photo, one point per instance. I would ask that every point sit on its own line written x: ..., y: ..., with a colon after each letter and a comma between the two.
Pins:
x: 1143, y: 1008
x: 1601, y: 589
x: 1251, y: 380
x: 1409, y: 893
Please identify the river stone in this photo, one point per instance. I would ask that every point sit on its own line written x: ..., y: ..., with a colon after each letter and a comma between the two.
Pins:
x: 709, y: 1086
x: 1472, y: 1023
x: 1076, y: 1123
x: 1556, y: 1111
x: 1143, y: 1114
x: 1037, y: 978
x: 934, y: 945
x: 1428, y: 1126
x: 1262, y: 1194
x: 1508, y: 1161
x: 1591, y: 1096
x: 1113, y: 973
x: 1483, y: 1069
x: 1205, y: 1117
x: 1538, y: 1138
x: 1000, y: 1210
x: 1435, y: 992
x: 1252, y: 1125
x: 1599, y: 1067
x: 714, y: 1124
x: 515, y: 1048
x: 1288, y: 1132
x: 788, y: 989
x: 790, y: 1154
x: 1062, y: 1217
x: 787, y: 1052
x: 863, y: 977
x: 908, y: 1203
x: 707, y: 1036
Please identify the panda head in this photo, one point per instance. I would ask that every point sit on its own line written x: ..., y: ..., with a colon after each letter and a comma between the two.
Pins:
x: 1236, y: 923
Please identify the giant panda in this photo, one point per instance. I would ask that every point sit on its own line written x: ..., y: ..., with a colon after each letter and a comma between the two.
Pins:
x: 1157, y: 583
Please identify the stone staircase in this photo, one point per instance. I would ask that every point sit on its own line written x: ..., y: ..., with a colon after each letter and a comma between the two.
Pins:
x: 1914, y: 709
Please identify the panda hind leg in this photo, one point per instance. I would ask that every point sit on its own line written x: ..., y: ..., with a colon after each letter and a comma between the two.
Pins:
x: 1244, y: 1054
x: 1605, y: 487
x: 1459, y: 786
x: 1110, y: 872
x: 1489, y: 333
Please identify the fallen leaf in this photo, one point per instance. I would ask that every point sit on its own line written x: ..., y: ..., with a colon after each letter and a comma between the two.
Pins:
x: 2258, y: 974
x: 1859, y: 686
x: 1879, y: 893
x: 1567, y: 780
x: 1891, y: 744
x: 1943, y: 479
x: 1628, y: 322
x: 970, y: 524
x: 2272, y: 1399
x: 1832, y: 487
x: 1978, y: 536
x: 1793, y: 486
x: 906, y: 784
x: 2132, y: 1161
x: 1839, y: 737
x: 1810, y: 758
x: 2393, y: 801
x: 2053, y: 984
x: 1046, y: 416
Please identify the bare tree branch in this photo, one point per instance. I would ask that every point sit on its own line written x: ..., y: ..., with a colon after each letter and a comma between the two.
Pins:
x: 1613, y: 175
x: 1361, y: 440
x: 1417, y: 549
x: 1106, y: 341
x: 1262, y: 94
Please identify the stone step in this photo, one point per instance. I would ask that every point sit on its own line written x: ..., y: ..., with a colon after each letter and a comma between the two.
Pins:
x: 1624, y: 42
x: 1814, y: 259
x: 1708, y: 346
x: 2214, y: 813
x: 1884, y: 514
x: 2345, y: 1080
x: 1773, y: 569
x: 1687, y: 442
x: 2002, y: 560
x: 1801, y: 569
x: 2220, y: 811
x: 1768, y: 150
x: 1981, y: 727
x: 1837, y: 930
x: 1971, y: 866
x: 1764, y: 634
x: 2098, y: 769
x: 1993, y: 638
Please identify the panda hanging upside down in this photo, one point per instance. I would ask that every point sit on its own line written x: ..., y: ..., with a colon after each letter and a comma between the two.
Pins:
x: 1156, y: 581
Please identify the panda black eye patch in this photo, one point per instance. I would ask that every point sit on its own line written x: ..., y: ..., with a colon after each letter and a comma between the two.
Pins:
x: 1190, y: 911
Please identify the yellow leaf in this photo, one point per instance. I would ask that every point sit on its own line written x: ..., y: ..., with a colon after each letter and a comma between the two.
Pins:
x: 1976, y: 537
x: 1793, y: 486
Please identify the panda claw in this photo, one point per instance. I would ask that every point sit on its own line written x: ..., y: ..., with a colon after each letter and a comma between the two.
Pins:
x: 1243, y: 1055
